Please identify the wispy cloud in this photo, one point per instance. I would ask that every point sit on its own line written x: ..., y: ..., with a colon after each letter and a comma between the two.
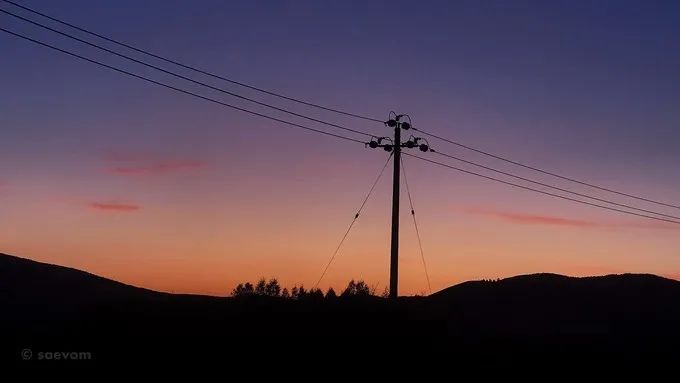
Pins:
x: 157, y: 168
x: 530, y: 219
x: 551, y: 220
x: 137, y: 164
x: 115, y: 207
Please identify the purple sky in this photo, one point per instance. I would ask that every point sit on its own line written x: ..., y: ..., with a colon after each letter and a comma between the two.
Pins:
x: 589, y: 89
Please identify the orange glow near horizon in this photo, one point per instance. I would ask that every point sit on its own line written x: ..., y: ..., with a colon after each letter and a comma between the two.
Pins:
x: 207, y: 247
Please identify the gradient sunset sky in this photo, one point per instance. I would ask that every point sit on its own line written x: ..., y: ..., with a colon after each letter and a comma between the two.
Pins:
x: 133, y: 182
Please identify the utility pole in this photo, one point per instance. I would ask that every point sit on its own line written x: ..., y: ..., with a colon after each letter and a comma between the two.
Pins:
x: 395, y: 148
x: 394, y: 249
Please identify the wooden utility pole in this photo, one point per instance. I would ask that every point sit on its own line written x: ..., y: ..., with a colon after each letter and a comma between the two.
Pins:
x: 394, y: 252
x: 395, y: 148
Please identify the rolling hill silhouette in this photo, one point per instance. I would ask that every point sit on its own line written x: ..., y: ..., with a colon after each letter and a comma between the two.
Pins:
x: 49, y: 304
x: 23, y: 280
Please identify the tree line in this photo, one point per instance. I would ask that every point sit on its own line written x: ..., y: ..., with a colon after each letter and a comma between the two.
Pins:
x: 272, y: 288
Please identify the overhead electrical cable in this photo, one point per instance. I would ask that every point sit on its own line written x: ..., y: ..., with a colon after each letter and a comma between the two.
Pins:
x: 536, y: 169
x: 283, y: 110
x: 356, y: 216
x: 192, y: 68
x: 415, y: 224
x: 553, y: 187
x: 179, y: 89
x: 540, y: 191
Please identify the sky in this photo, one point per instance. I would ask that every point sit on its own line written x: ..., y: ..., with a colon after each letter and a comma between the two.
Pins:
x: 134, y: 182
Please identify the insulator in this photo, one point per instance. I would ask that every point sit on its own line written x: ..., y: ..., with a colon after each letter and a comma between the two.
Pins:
x: 405, y: 125
x: 424, y: 148
x: 373, y: 144
x: 410, y: 144
x: 388, y: 148
x: 391, y: 123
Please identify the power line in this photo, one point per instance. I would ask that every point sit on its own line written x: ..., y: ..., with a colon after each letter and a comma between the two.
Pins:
x: 356, y: 216
x: 271, y: 93
x: 329, y: 123
x: 547, y: 172
x: 542, y: 191
x: 415, y: 224
x: 179, y: 89
x: 293, y: 99
x: 184, y: 77
x: 553, y: 187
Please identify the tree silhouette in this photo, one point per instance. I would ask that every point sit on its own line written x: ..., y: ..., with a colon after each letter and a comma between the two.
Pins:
x: 350, y: 289
x: 249, y: 288
x: 272, y: 289
x: 362, y: 289
x: 315, y: 295
x: 358, y: 289
x: 243, y: 290
x: 330, y: 294
x: 261, y: 287
x: 237, y: 291
x: 302, y: 293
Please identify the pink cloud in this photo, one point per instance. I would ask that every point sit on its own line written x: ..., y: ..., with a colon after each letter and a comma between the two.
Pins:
x: 530, y: 219
x: 534, y: 219
x: 157, y: 167
x: 140, y: 164
x: 115, y: 207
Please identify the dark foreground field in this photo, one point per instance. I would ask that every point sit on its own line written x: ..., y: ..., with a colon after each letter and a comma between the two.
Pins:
x: 49, y: 309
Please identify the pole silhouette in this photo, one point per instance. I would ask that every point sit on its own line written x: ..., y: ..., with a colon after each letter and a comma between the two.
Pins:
x: 394, y: 251
x: 394, y: 147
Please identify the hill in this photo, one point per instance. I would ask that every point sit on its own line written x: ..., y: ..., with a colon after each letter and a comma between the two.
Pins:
x: 550, y: 304
x: 49, y: 304
x: 24, y: 281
